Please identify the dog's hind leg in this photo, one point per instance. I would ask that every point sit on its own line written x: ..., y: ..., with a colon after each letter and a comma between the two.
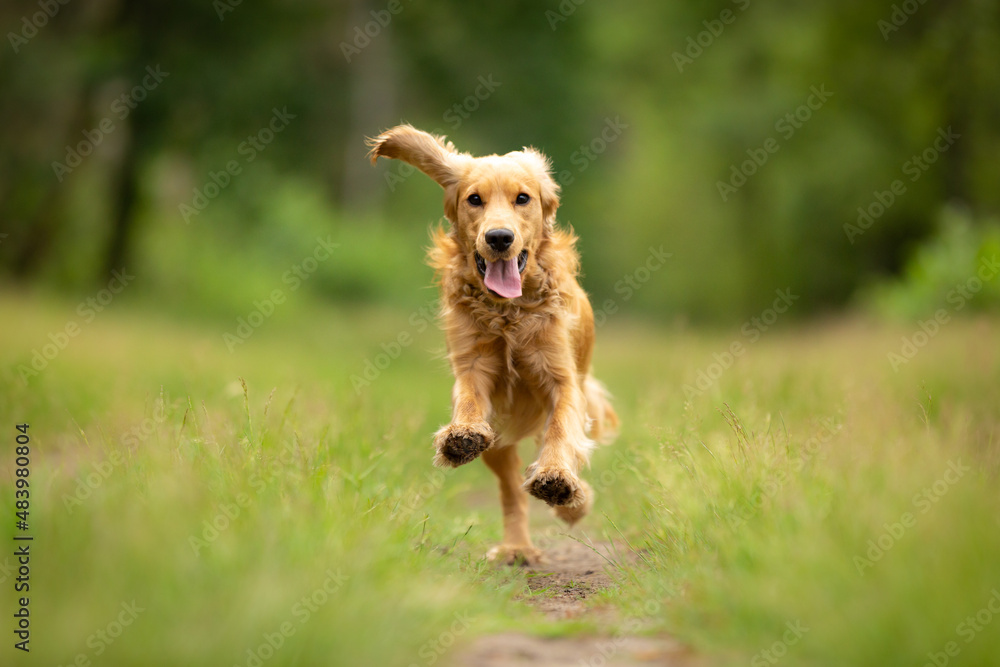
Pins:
x: 516, y: 546
x: 602, y: 418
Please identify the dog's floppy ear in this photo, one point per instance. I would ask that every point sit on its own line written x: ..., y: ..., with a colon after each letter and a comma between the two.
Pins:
x: 429, y: 153
x: 538, y: 164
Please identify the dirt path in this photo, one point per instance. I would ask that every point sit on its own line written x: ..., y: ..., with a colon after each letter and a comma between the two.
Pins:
x: 560, y: 590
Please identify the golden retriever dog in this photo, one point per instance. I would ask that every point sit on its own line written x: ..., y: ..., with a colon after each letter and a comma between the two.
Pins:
x: 519, y: 329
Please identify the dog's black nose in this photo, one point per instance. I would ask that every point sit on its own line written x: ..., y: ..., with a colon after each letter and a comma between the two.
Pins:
x: 499, y: 239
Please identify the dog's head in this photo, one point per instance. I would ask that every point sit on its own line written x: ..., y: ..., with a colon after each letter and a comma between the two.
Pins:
x: 500, y: 206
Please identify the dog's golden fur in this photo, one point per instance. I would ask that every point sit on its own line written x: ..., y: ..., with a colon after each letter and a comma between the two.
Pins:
x: 522, y: 364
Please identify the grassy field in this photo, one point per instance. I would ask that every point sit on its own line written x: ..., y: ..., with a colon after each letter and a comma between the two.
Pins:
x: 799, y: 502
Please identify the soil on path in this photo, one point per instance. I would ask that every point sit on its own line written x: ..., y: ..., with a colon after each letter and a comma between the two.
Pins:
x: 572, y: 573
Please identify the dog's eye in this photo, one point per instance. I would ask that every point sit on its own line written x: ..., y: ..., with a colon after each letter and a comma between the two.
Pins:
x: 522, y: 199
x: 475, y: 200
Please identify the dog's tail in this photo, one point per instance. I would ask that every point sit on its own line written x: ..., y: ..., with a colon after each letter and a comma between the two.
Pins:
x: 601, y: 416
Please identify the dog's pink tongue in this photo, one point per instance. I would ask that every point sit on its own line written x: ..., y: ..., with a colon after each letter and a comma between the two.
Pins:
x: 503, y: 278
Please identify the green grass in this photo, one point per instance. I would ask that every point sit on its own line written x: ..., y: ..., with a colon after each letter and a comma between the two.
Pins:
x: 809, y: 440
x: 759, y: 499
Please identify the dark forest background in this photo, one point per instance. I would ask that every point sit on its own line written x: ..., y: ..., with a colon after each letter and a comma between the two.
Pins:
x: 118, y: 119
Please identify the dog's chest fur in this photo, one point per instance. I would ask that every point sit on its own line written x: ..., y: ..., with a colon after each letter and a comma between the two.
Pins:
x: 515, y: 332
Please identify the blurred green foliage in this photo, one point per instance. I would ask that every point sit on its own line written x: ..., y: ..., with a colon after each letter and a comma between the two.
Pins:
x: 955, y: 270
x: 742, y: 137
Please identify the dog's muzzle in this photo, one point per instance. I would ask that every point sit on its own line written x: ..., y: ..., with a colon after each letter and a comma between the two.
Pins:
x: 522, y: 262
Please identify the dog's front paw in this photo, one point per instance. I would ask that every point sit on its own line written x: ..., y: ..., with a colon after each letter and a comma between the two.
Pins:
x: 571, y: 514
x: 556, y: 486
x: 458, y: 444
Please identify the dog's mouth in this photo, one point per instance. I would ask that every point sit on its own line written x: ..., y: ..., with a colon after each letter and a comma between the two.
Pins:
x: 503, y: 277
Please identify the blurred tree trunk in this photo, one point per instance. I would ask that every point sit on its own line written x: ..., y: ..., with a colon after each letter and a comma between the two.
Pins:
x: 371, y: 84
x: 960, y: 88
x: 970, y: 81
x: 126, y: 190
x: 141, y: 17
x: 42, y: 221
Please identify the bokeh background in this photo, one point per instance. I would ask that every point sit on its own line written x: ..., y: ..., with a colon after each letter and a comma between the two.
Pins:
x: 117, y: 114
x: 252, y: 412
